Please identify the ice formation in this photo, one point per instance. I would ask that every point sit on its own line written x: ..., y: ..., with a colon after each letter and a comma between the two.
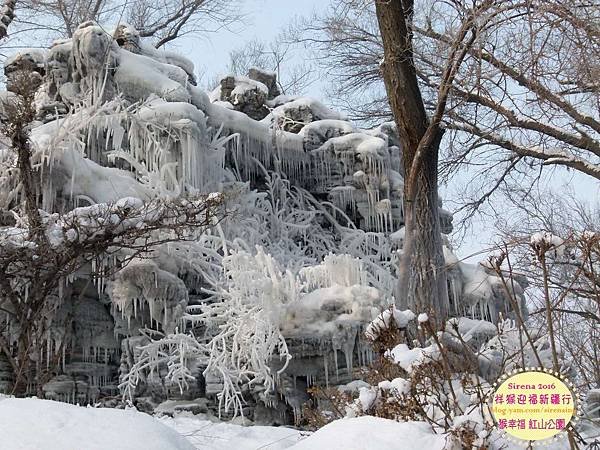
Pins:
x: 277, y: 296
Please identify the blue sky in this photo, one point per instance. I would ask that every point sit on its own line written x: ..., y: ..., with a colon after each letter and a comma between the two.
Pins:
x: 264, y: 20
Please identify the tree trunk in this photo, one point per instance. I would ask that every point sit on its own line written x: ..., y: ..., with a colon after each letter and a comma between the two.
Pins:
x: 20, y: 143
x: 422, y: 284
x: 22, y: 375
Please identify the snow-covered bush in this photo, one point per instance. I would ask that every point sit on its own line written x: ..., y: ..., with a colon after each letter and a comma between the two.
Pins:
x: 177, y: 352
x: 244, y: 329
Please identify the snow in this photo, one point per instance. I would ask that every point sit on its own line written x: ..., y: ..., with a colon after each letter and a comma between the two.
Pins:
x: 478, y: 285
x: 373, y: 433
x: 366, y: 397
x: 468, y: 327
x: 34, y: 424
x: 546, y: 241
x: 280, y: 100
x: 397, y: 385
x: 326, y: 125
x: 327, y: 310
x: 319, y: 109
x: 207, y: 434
x: 384, y: 320
x: 140, y: 76
x: 423, y: 317
x: 398, y: 236
x: 167, y: 56
x: 362, y: 143
x: 353, y: 386
x: 359, y: 433
x: 410, y: 358
x: 243, y: 84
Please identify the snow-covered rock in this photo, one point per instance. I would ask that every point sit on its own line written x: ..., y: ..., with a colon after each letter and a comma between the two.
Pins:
x: 244, y: 94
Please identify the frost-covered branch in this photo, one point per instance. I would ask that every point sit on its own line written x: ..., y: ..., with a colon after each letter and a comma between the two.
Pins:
x: 177, y: 352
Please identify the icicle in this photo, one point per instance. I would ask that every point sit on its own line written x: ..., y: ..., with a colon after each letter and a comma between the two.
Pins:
x: 348, y: 349
x: 335, y: 361
x: 326, y: 369
x: 165, y: 308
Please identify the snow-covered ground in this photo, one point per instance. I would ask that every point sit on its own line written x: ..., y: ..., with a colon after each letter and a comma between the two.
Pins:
x: 373, y: 433
x: 34, y: 424
x: 211, y: 435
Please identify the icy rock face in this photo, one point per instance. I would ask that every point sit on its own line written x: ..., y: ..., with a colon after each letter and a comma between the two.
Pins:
x: 355, y: 171
x: 145, y: 293
x: 121, y: 119
x: 331, y: 320
x: 92, y: 55
x: 66, y: 389
x: 269, y: 79
x: 243, y: 94
x: 127, y: 38
x: 293, y: 115
x: 325, y: 328
x: 60, y: 92
x: 88, y: 368
x: 91, y: 367
x: 6, y: 374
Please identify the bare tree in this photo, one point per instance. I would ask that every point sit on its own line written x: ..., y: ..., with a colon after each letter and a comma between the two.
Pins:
x: 162, y: 21
x: 40, y: 250
x: 526, y: 95
x: 524, y: 99
x: 422, y: 281
x: 346, y: 45
x: 292, y: 77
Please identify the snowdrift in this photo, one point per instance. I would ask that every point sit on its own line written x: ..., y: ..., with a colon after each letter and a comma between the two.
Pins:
x: 373, y: 433
x: 33, y: 424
